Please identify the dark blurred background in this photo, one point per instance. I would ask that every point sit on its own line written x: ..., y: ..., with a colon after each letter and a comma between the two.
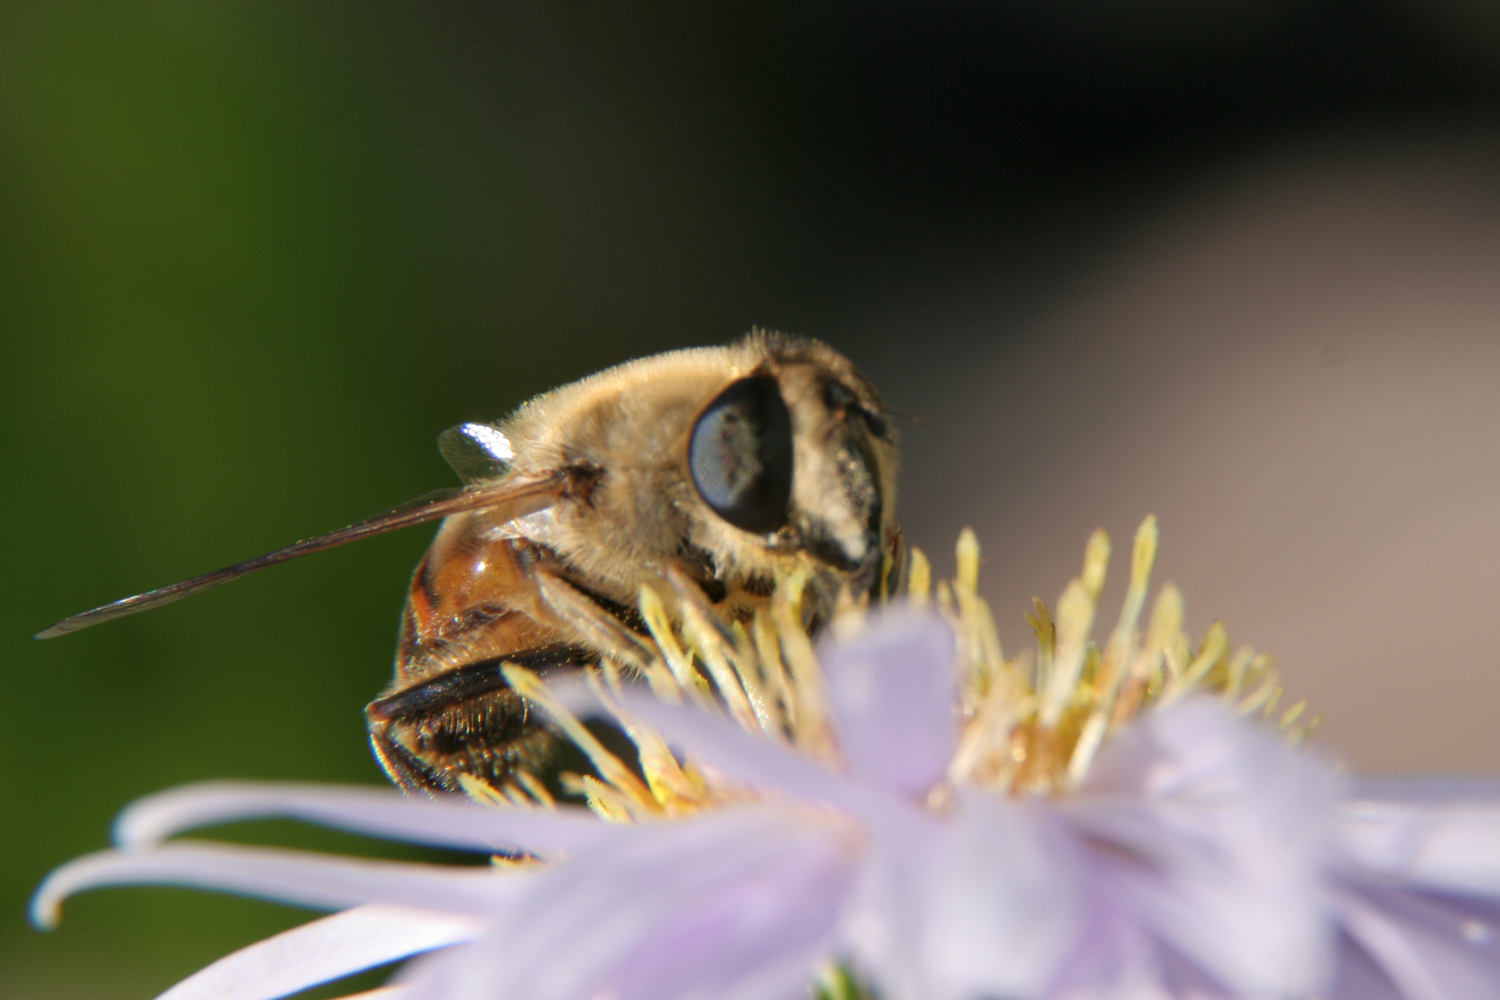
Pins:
x: 1236, y: 263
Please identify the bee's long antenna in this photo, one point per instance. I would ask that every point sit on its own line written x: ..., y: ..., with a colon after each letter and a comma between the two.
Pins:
x: 510, y: 500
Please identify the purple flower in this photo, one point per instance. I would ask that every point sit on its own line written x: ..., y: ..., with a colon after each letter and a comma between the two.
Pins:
x: 949, y: 847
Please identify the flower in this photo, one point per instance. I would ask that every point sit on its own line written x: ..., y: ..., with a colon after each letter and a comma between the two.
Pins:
x: 1115, y: 824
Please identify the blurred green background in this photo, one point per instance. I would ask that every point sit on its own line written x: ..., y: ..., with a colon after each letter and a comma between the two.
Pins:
x: 253, y: 257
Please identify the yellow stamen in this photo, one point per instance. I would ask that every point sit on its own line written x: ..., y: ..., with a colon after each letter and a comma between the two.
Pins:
x: 1022, y: 731
x: 537, y: 789
x: 1040, y: 621
x: 811, y: 719
x: 768, y: 648
x: 654, y: 612
x: 919, y: 580
x: 481, y: 791
x: 713, y: 643
x: 613, y: 770
x: 968, y: 562
x: 671, y: 787
x: 606, y: 802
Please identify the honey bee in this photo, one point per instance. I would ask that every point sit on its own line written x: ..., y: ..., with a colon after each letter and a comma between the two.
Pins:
x: 717, y: 469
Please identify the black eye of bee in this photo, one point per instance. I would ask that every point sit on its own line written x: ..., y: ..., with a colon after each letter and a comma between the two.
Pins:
x: 740, y: 455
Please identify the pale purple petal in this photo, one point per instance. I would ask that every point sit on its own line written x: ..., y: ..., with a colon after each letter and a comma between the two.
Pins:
x: 1183, y: 980
x: 983, y: 902
x: 1137, y: 981
x: 325, y: 950
x: 786, y: 978
x: 752, y: 760
x: 379, y: 993
x: 882, y: 927
x: 1201, y: 859
x: 435, y: 975
x: 892, y: 692
x: 731, y: 904
x: 1429, y: 947
x: 1452, y: 846
x: 1359, y: 977
x: 1215, y: 835
x: 1118, y: 960
x: 318, y: 880
x: 448, y: 822
x: 1003, y: 904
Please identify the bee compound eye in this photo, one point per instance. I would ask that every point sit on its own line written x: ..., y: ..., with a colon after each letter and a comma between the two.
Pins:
x: 740, y: 456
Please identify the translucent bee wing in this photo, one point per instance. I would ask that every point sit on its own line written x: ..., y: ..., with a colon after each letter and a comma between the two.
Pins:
x: 477, y: 452
x: 504, y: 501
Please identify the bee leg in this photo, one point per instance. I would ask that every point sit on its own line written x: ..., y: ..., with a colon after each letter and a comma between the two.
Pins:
x: 403, y: 766
x: 595, y: 624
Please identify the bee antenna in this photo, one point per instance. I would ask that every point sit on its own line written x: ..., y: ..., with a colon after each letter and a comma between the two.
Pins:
x: 914, y: 420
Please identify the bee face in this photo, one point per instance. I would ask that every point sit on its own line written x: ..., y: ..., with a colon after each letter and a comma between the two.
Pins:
x: 741, y: 461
